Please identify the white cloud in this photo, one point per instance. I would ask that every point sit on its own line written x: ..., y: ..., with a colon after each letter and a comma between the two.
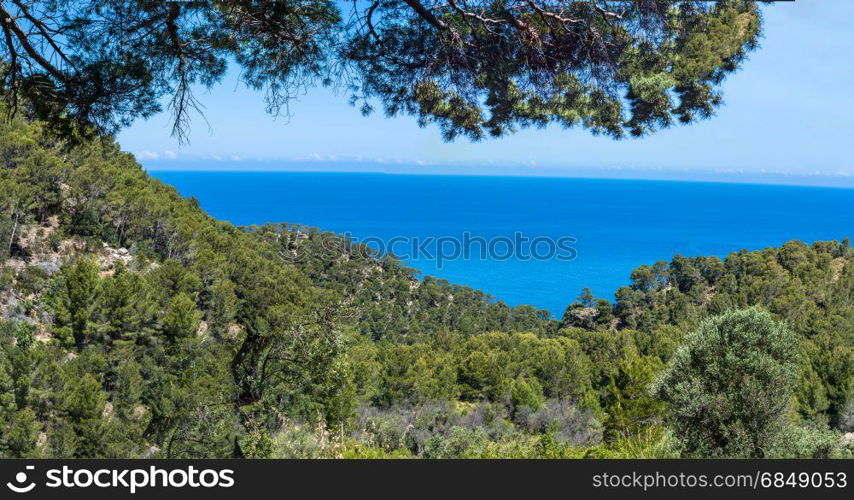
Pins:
x: 146, y: 154
x: 317, y: 157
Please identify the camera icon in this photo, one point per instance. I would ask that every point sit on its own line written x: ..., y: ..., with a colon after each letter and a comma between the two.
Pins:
x: 20, y: 479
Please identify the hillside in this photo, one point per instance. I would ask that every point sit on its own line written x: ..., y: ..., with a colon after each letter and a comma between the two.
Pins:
x: 135, y: 325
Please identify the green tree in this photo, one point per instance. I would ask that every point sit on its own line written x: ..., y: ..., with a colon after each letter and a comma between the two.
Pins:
x: 475, y: 68
x: 525, y: 392
x: 223, y: 307
x: 181, y: 318
x: 82, y: 404
x: 15, y: 205
x: 21, y: 434
x: 629, y: 404
x: 77, y: 298
x: 729, y: 385
x: 124, y: 306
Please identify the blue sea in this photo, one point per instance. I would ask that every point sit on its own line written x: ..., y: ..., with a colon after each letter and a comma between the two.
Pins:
x: 606, y: 228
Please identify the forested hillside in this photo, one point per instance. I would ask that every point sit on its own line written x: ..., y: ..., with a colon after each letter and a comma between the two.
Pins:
x: 134, y: 325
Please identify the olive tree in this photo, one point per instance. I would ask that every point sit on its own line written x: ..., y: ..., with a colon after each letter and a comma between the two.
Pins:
x: 729, y: 384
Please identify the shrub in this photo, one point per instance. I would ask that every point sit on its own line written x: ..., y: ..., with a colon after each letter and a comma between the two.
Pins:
x: 729, y: 384
x: 812, y: 441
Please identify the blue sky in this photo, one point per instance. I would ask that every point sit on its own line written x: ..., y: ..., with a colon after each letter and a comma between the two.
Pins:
x: 787, y: 118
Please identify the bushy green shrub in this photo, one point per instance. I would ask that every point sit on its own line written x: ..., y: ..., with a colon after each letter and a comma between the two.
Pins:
x: 810, y: 441
x: 729, y: 384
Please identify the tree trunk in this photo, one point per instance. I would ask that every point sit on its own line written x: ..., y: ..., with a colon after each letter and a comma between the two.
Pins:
x: 14, y: 229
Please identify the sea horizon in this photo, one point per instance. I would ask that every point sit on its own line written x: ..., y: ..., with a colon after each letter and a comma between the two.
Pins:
x: 842, y: 180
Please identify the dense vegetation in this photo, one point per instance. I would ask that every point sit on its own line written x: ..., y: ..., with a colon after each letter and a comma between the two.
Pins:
x: 134, y: 325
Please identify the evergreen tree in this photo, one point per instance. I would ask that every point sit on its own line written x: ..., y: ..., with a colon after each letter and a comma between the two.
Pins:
x: 476, y: 68
x: 76, y: 298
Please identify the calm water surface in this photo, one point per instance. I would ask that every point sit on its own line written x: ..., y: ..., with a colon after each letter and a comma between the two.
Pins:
x: 618, y: 224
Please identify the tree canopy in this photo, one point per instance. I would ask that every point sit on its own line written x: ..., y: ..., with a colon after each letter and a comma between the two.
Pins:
x: 473, y: 67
